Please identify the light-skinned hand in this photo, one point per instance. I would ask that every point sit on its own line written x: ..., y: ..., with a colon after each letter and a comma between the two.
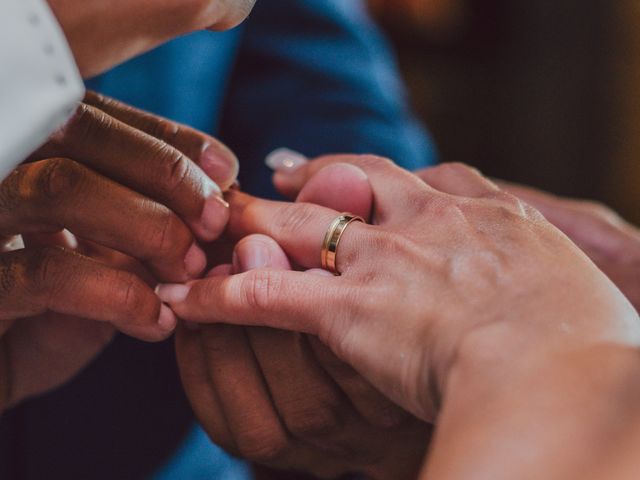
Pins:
x: 451, y: 296
x: 283, y: 399
x: 611, y: 242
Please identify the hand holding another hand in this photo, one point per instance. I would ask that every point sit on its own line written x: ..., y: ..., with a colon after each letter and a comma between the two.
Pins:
x: 457, y: 291
x: 136, y: 193
x: 426, y: 246
x: 283, y: 399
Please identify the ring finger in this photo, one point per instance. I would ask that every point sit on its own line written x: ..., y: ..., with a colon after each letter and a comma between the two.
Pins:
x: 299, y: 228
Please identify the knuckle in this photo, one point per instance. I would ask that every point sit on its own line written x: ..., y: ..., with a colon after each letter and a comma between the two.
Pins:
x: 448, y: 173
x: 173, y: 169
x: 83, y: 124
x: 260, y: 288
x: 164, y: 129
x: 375, y: 243
x: 164, y: 239
x: 457, y: 168
x: 443, y: 208
x: 49, y: 182
x: 294, y: 217
x: 421, y: 203
x: 97, y: 99
x: 509, y: 201
x: 57, y: 179
x: 42, y: 269
x: 130, y: 294
x: 262, y: 445
x: 374, y: 162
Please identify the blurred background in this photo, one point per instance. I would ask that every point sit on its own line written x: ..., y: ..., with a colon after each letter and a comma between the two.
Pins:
x: 542, y: 92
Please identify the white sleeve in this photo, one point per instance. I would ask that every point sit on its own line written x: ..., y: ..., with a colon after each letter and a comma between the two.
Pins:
x: 40, y: 85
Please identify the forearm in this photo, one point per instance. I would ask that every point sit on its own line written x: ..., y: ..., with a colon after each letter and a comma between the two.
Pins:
x: 552, y: 418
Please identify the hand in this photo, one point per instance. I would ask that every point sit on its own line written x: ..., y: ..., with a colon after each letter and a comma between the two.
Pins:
x: 104, y: 33
x: 283, y: 399
x: 622, y: 462
x: 612, y: 243
x: 503, y: 271
x: 599, y: 381
x: 463, y: 248
x: 115, y: 187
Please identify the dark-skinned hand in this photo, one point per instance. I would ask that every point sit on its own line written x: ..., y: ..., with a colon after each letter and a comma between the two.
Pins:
x: 137, y: 194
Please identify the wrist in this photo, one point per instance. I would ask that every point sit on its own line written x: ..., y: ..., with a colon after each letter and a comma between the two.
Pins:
x: 550, y: 331
x: 576, y: 402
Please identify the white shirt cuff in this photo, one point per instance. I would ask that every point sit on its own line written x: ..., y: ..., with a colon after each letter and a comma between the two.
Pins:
x: 40, y: 85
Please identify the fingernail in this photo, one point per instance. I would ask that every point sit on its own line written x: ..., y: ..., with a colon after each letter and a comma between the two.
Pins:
x: 285, y: 160
x: 220, y: 164
x: 14, y: 243
x: 167, y: 320
x: 172, y: 293
x: 256, y: 255
x: 215, y: 215
x: 70, y: 239
x: 195, y: 260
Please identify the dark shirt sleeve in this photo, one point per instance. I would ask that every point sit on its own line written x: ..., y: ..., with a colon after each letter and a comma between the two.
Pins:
x: 317, y: 76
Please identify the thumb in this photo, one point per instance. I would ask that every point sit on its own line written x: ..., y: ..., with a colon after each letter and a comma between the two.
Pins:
x: 342, y: 187
x: 259, y: 251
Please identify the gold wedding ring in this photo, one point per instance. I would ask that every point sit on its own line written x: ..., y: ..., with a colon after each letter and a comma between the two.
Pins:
x: 332, y: 239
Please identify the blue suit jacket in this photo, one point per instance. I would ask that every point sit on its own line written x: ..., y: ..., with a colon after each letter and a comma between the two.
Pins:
x: 312, y: 75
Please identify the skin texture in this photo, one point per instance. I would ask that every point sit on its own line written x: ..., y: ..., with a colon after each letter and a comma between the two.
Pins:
x: 283, y: 399
x: 621, y: 459
x: 103, y: 33
x: 614, y: 246
x: 131, y: 224
x: 461, y: 243
x: 612, y: 243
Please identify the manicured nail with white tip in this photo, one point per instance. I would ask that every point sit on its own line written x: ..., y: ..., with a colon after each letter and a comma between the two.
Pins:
x: 220, y: 163
x: 167, y: 320
x: 215, y: 215
x: 285, y: 160
x: 172, y: 293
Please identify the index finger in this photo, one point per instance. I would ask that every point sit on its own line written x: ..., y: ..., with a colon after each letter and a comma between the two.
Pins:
x: 393, y: 187
x: 143, y: 163
x: 287, y: 300
x: 215, y: 158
